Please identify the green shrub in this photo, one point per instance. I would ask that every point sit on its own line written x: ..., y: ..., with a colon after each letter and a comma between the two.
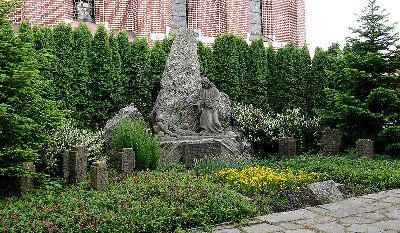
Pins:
x: 135, y: 134
x: 28, y: 118
x: 265, y: 129
x: 147, y: 202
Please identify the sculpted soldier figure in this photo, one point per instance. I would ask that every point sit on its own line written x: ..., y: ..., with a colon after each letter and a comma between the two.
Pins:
x: 208, y: 106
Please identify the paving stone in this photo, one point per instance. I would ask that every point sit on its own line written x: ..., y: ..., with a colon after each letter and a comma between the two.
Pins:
x: 394, y: 200
x: 228, y: 230
x: 375, y: 196
x: 300, y: 231
x: 393, y: 212
x: 315, y: 221
x: 364, y: 228
x: 388, y: 225
x: 331, y: 227
x: 290, y: 226
x: 263, y: 227
x: 351, y: 207
x: 287, y: 216
x: 364, y: 218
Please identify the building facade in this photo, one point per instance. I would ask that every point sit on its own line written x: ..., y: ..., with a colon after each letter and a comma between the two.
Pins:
x: 276, y: 21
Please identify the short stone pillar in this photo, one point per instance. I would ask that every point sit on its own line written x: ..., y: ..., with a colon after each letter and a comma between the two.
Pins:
x: 65, y: 164
x: 287, y: 147
x: 26, y: 183
x: 125, y: 161
x: 98, y: 175
x: 77, y: 163
x: 331, y: 140
x: 365, y: 148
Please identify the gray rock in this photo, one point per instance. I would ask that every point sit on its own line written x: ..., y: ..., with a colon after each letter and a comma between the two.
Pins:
x: 180, y: 83
x: 129, y: 112
x: 181, y: 88
x: 325, y: 192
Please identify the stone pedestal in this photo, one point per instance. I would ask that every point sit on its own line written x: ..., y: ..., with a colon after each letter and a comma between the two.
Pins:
x: 77, y: 163
x: 365, y: 148
x: 26, y: 183
x: 331, y: 140
x: 287, y: 147
x: 190, y: 149
x: 98, y: 175
x: 125, y: 161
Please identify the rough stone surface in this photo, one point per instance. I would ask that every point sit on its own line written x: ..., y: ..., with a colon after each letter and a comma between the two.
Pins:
x: 287, y: 147
x: 26, y: 183
x: 65, y: 164
x: 263, y: 227
x: 181, y: 86
x: 129, y: 112
x: 331, y: 140
x: 98, y: 175
x: 365, y: 148
x: 77, y: 161
x: 190, y: 149
x: 127, y: 160
x: 325, y: 192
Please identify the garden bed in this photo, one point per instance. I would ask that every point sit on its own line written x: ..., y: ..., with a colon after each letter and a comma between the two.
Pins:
x: 173, y: 199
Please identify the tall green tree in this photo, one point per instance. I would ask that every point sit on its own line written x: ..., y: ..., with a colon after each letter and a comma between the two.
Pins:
x: 256, y: 83
x: 205, y: 58
x: 82, y: 78
x: 365, y: 103
x: 27, y: 118
x: 102, y: 83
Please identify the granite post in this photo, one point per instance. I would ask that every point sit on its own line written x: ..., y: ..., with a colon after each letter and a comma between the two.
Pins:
x: 26, y: 183
x: 287, y: 147
x: 98, y: 175
x: 365, y: 148
x: 331, y: 140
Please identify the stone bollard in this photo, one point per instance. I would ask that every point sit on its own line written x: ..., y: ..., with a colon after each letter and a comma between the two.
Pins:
x: 65, y: 164
x: 126, y: 162
x: 98, y: 175
x: 26, y: 183
x: 287, y: 147
x: 365, y: 148
x: 331, y: 140
x: 77, y: 163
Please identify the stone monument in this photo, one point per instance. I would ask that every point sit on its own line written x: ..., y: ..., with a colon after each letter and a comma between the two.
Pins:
x: 365, y: 148
x: 287, y: 147
x: 331, y: 140
x: 190, y: 112
x: 98, y: 175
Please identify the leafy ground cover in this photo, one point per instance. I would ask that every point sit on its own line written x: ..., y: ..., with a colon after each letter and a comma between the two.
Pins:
x: 173, y: 199
x: 145, y: 202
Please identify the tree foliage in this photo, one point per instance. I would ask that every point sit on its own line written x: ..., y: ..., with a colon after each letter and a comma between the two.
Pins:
x: 365, y: 102
x: 27, y: 117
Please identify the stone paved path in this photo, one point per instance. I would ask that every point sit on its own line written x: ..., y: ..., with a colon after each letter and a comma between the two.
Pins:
x: 371, y: 213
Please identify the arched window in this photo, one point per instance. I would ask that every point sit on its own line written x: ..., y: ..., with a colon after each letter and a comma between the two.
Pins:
x: 256, y: 17
x: 179, y: 14
x: 84, y: 10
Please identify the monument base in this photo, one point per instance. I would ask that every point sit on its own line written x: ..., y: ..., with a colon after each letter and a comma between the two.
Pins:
x: 191, y: 148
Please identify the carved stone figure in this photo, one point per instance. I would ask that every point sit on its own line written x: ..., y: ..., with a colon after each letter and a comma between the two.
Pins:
x: 208, y: 106
x: 84, y: 11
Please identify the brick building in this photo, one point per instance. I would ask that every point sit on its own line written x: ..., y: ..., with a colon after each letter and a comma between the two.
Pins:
x: 276, y: 21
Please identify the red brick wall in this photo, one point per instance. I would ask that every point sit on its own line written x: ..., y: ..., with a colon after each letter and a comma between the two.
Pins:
x: 288, y: 21
x: 44, y: 12
x: 283, y: 20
